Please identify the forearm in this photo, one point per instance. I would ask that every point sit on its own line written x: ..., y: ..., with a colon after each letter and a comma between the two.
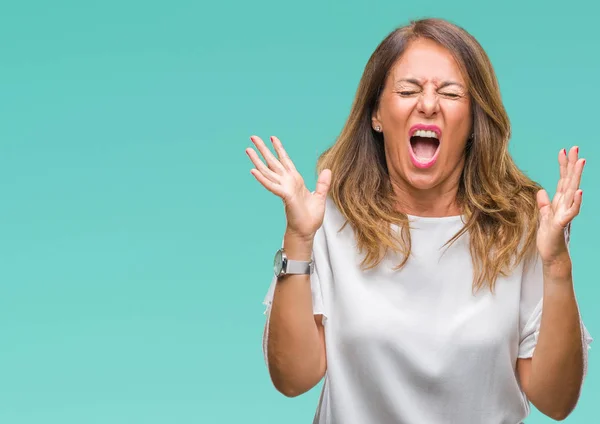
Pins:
x: 557, y: 364
x: 295, y: 347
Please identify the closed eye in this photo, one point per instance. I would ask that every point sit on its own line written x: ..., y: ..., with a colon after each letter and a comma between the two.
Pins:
x: 407, y: 93
x: 451, y: 95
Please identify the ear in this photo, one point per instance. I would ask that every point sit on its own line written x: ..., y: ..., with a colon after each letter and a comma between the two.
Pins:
x: 375, y: 121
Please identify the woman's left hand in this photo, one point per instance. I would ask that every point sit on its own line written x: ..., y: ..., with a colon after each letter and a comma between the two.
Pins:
x: 555, y: 216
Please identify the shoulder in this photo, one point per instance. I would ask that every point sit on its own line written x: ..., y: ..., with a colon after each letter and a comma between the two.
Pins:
x: 334, y: 229
x: 333, y: 216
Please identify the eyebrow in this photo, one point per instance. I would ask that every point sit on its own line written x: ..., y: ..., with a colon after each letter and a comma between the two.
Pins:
x: 417, y: 82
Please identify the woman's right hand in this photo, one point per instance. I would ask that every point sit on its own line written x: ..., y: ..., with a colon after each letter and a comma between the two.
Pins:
x: 304, y: 210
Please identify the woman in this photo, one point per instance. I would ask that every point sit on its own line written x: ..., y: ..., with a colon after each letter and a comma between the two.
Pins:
x: 417, y: 270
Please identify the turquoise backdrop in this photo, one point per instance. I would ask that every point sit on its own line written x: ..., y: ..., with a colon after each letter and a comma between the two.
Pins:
x: 135, y: 246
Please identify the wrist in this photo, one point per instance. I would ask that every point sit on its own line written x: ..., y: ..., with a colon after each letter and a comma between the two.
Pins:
x: 297, y: 247
x: 559, y: 268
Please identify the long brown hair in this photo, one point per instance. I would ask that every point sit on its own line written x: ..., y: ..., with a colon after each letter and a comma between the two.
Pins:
x: 497, y: 200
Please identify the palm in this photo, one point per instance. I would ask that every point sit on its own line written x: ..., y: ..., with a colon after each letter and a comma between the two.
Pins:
x: 557, y: 215
x: 304, y: 209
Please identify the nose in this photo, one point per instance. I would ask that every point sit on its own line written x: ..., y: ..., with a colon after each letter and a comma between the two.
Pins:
x: 428, y: 104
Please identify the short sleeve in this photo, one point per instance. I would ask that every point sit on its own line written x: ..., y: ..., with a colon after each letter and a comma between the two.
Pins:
x: 531, y: 306
x: 321, y: 274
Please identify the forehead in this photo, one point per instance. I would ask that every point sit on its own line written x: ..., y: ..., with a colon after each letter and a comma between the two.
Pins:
x: 427, y: 61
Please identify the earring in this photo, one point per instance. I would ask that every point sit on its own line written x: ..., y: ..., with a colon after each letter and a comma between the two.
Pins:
x: 378, y: 128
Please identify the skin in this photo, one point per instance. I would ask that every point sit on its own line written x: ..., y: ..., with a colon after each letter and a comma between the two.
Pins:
x: 296, y: 337
x: 552, y: 379
x: 425, y: 86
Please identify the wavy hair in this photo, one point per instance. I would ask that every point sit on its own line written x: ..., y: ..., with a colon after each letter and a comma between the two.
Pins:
x: 497, y: 200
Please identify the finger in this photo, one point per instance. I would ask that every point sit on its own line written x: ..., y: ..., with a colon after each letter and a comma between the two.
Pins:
x: 560, y: 193
x: 573, y: 211
x: 575, y: 180
x: 271, y: 160
x: 542, y: 199
x: 573, y: 184
x: 572, y: 159
x: 556, y: 200
x: 562, y: 163
x: 323, y: 183
x: 282, y: 154
x: 266, y: 183
x: 566, y: 198
x: 260, y: 166
x: 577, y: 200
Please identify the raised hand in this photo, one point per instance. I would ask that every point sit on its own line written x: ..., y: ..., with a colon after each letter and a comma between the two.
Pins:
x: 555, y: 216
x: 304, y: 209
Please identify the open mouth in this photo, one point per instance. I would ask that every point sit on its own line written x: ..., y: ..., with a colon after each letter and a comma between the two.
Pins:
x: 424, y: 144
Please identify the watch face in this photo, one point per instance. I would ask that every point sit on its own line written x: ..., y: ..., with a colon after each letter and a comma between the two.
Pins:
x: 278, y: 262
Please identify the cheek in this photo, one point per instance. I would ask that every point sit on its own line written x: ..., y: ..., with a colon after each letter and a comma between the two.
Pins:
x: 459, y: 119
x: 461, y: 112
x: 397, y: 111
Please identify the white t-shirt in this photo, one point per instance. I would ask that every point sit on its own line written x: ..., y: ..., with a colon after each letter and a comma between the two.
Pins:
x: 416, y: 345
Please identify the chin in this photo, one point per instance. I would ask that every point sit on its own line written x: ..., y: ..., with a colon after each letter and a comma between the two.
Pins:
x: 422, y: 182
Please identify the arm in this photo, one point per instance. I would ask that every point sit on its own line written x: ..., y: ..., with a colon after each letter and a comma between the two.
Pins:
x: 296, y: 339
x: 552, y: 379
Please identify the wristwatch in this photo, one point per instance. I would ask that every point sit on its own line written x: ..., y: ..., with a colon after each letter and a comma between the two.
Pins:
x: 283, y: 266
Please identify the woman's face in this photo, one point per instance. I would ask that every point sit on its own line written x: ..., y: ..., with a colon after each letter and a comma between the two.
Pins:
x: 425, y: 116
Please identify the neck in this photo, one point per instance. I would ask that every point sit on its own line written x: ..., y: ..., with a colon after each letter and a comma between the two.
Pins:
x: 439, y: 201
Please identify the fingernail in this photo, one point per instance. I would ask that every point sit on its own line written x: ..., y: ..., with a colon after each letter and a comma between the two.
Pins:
x: 584, y: 162
x: 565, y: 151
x: 577, y: 150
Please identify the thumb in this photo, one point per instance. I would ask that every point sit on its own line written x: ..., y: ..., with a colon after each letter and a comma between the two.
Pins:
x: 542, y: 199
x: 323, y: 183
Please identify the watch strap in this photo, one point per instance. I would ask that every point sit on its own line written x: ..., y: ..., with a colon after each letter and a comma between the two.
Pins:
x: 299, y: 267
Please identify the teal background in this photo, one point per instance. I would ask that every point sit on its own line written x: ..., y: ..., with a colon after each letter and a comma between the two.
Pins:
x: 135, y: 246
